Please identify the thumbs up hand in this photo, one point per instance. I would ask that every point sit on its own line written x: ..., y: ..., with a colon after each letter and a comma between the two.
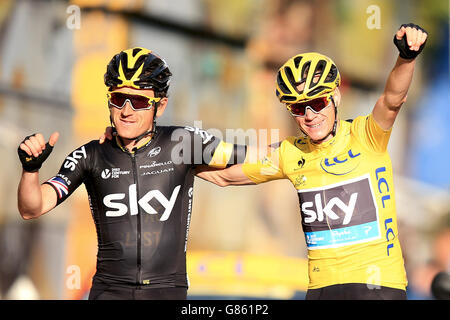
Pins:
x: 33, y: 151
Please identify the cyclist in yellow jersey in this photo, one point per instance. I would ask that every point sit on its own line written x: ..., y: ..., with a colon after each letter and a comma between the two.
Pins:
x: 343, y: 175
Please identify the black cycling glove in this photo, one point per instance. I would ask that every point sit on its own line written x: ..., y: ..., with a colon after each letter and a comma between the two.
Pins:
x: 31, y: 163
x: 402, y: 45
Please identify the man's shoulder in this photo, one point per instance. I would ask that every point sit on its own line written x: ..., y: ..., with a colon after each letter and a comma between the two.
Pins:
x: 288, y: 147
x: 93, y: 146
x: 96, y: 145
x: 357, y: 125
x: 186, y: 128
x: 187, y: 133
x: 352, y: 125
x: 87, y: 146
x: 164, y: 130
x: 356, y: 120
x: 170, y: 133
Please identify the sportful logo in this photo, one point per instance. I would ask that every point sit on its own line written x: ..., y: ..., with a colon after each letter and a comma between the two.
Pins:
x: 72, y: 161
x: 113, y: 201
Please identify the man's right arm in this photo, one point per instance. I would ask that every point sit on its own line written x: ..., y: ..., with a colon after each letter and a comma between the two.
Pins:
x: 34, y: 199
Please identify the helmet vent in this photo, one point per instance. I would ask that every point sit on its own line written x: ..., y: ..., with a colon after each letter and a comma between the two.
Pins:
x: 281, y: 84
x: 288, y: 98
x: 332, y: 74
x: 318, y: 72
x: 136, y: 51
x: 297, y: 61
x: 316, y: 90
x: 289, y: 75
x: 305, y: 71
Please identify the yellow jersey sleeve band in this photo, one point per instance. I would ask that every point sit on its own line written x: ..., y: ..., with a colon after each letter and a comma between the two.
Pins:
x: 227, y: 154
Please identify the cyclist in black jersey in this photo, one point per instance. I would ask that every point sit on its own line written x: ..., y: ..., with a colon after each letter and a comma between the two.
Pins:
x: 140, y: 184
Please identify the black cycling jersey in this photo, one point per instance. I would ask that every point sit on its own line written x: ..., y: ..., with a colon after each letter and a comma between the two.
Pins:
x: 141, y: 201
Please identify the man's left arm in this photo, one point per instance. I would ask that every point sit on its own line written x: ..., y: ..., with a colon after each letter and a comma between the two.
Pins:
x: 410, y: 40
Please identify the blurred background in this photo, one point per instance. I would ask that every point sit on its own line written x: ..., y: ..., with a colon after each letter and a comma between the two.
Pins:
x: 224, y: 56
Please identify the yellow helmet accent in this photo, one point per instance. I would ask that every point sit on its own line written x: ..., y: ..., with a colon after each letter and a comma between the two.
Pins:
x: 304, y: 69
x: 131, y: 62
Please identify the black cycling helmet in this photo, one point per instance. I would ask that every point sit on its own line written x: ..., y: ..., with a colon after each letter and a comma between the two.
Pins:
x: 138, y: 68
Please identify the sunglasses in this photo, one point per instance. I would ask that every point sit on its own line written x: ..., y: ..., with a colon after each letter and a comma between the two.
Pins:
x: 315, y: 105
x: 137, y: 101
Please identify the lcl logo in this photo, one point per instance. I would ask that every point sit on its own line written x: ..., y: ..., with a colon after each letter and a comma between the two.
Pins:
x: 341, y: 164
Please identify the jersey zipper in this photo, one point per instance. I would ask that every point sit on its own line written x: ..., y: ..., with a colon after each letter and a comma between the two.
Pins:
x: 138, y: 223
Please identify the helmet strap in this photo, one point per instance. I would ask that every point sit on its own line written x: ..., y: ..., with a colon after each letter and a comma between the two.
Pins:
x: 333, y: 132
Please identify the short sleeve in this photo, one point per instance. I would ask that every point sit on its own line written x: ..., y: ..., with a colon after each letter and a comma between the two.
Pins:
x: 267, y: 169
x: 70, y: 175
x: 370, y: 133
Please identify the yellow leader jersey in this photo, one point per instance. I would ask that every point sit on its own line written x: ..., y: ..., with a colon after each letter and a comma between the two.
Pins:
x: 346, y: 194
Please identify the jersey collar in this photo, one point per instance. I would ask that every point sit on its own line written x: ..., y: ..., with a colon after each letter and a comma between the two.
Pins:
x: 119, y: 143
